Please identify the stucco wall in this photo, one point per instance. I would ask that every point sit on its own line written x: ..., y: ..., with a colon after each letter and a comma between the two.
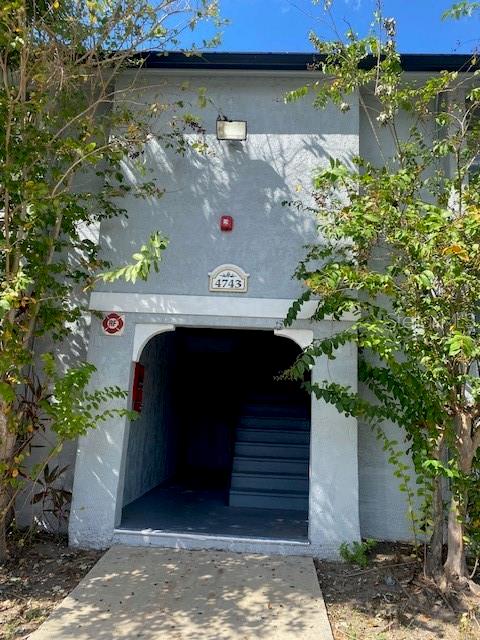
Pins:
x: 151, y: 441
x: 69, y: 353
x: 383, y: 507
x: 248, y: 180
x: 102, y: 454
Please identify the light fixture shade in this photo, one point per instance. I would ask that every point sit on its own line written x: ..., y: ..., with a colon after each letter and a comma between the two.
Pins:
x: 231, y: 130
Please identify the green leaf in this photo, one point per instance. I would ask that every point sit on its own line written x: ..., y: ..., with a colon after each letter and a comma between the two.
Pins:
x: 7, y: 393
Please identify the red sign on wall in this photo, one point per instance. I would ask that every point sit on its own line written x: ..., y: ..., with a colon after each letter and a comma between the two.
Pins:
x: 113, y: 324
x: 137, y: 391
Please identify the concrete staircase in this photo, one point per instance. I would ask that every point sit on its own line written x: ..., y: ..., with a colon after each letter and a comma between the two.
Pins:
x: 270, y: 465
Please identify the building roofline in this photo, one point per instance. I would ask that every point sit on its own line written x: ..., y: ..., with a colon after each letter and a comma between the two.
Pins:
x: 413, y: 62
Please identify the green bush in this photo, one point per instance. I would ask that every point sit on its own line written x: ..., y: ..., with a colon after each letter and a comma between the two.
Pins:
x: 357, y: 552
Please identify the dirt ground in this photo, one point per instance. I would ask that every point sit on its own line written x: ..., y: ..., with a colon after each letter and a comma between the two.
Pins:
x: 36, y: 577
x: 390, y: 600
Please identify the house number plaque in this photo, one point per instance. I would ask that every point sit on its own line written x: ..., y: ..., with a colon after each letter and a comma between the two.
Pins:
x: 228, y: 278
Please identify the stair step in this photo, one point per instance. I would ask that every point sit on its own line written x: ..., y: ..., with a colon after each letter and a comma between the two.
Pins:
x: 276, y: 394
x: 277, y: 408
x: 280, y: 436
x: 290, y: 500
x: 272, y: 450
x: 270, y: 481
x: 275, y: 422
x: 253, y: 464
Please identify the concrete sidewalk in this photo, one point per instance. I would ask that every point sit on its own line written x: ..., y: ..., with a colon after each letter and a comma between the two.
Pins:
x: 158, y: 594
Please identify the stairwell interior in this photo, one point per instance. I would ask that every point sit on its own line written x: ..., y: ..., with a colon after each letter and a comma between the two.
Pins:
x: 271, y: 455
x: 228, y: 439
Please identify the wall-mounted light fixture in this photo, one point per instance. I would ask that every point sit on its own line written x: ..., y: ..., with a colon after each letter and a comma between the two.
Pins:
x: 231, y: 129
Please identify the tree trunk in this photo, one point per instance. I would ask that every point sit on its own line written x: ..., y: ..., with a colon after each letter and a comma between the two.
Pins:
x: 433, y: 564
x: 455, y: 567
x: 7, y: 449
x: 4, y: 501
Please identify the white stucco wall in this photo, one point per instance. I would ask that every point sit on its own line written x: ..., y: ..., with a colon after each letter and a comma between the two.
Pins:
x: 383, y: 507
x: 101, y: 461
x: 248, y: 180
x: 152, y: 444
x: 352, y: 489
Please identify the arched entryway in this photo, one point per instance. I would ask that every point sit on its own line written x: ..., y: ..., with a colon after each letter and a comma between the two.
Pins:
x: 221, y: 446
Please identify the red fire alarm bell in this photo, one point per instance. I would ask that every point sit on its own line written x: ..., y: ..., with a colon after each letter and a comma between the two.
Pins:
x: 226, y: 223
x: 137, y: 392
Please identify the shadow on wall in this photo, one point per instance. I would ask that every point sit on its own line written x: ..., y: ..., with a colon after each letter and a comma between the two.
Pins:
x: 250, y: 181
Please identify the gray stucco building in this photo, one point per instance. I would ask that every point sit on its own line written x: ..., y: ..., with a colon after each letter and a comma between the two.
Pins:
x: 221, y: 455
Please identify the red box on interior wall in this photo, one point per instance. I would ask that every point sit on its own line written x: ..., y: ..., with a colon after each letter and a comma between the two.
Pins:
x: 137, y: 391
x: 226, y: 223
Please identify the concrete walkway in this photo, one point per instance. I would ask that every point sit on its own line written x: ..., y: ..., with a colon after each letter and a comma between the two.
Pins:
x: 158, y: 594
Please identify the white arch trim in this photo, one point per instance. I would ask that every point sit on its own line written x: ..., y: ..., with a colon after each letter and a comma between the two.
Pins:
x: 143, y: 333
x: 303, y: 337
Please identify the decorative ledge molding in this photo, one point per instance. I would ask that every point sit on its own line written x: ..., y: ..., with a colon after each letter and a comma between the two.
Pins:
x: 196, y: 305
x: 184, y: 305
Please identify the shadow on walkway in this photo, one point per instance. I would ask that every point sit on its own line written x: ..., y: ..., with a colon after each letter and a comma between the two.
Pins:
x: 155, y: 594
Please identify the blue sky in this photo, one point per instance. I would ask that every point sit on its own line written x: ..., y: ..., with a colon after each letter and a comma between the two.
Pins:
x: 283, y: 25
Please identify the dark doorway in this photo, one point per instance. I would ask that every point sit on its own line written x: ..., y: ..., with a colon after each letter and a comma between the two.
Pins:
x: 221, y: 445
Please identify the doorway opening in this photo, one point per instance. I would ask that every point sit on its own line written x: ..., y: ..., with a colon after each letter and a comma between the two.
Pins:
x: 221, y: 446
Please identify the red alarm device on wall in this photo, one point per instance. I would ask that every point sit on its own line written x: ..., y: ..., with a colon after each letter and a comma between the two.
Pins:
x: 226, y: 223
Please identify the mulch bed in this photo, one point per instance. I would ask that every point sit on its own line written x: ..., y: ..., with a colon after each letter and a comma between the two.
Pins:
x: 391, y: 600
x: 38, y: 575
